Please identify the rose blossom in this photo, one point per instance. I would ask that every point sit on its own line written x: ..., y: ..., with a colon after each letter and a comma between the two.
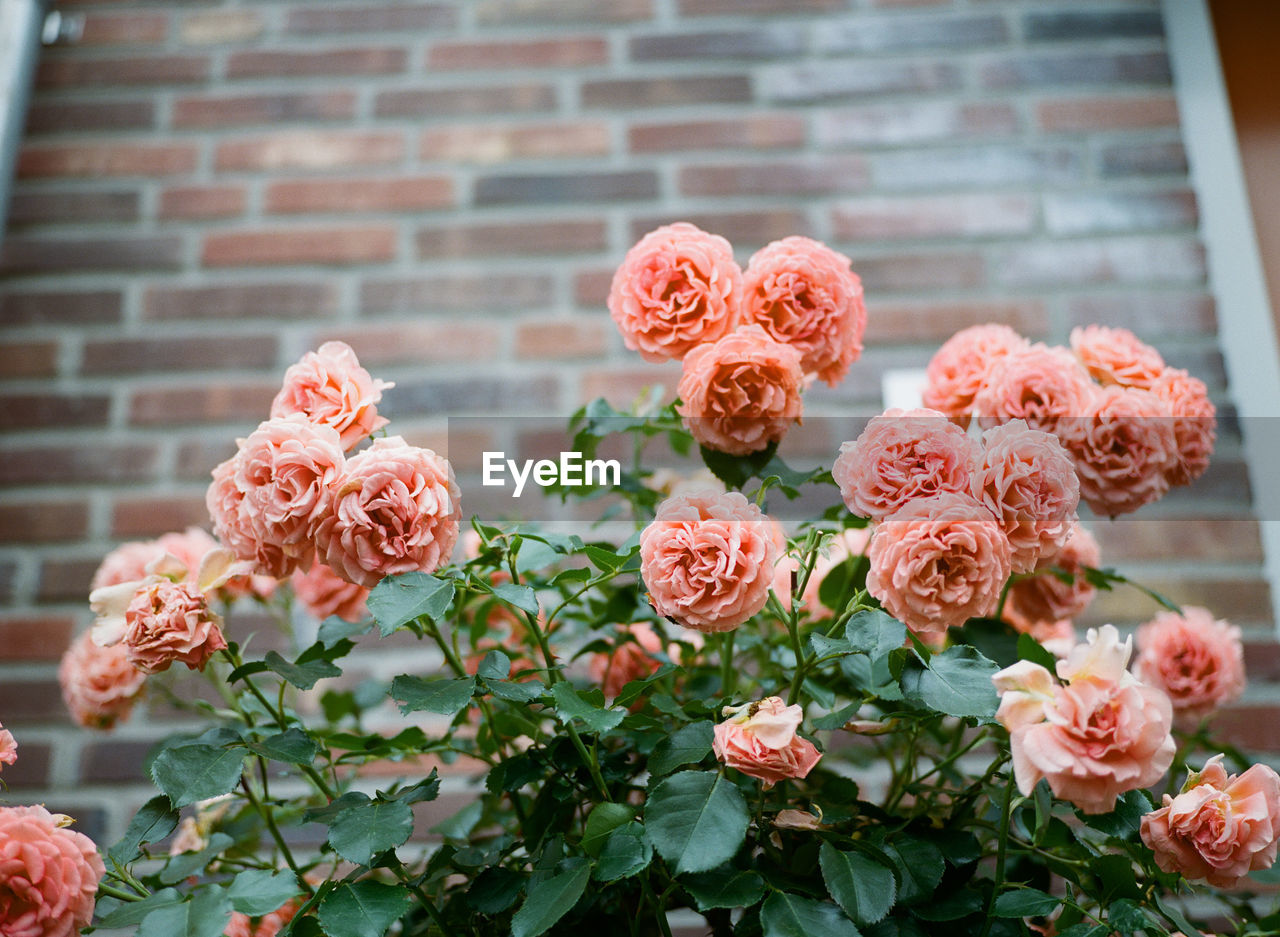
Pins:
x: 707, y: 560
x: 805, y: 294
x: 1116, y: 356
x: 1041, y: 385
x: 241, y: 925
x: 48, y: 874
x: 1093, y: 736
x: 1026, y: 479
x: 631, y: 659
x: 328, y: 386
x: 323, y: 593
x: 938, y: 562
x: 1194, y: 423
x: 126, y: 563
x: 396, y: 508
x: 964, y: 363
x: 1194, y: 658
x: 677, y: 288
x: 760, y: 740
x: 99, y: 684
x: 166, y: 622
x: 1124, y: 448
x: 742, y: 393
x: 8, y: 747
x: 1046, y: 598
x: 903, y: 455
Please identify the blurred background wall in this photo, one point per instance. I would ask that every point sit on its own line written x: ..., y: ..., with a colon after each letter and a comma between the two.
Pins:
x: 208, y: 189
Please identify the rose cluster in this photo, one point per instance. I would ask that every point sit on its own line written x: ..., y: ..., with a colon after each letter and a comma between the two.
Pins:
x: 1133, y: 425
x: 749, y: 340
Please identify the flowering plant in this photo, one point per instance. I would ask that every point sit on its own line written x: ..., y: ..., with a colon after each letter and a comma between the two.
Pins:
x: 877, y: 722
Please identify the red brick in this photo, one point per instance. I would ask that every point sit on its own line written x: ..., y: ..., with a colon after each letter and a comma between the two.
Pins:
x: 372, y: 17
x: 101, y: 307
x: 287, y: 300
x: 921, y: 272
x: 1262, y: 660
x: 757, y: 7
x: 28, y: 359
x: 119, y: 761
x: 1251, y: 726
x: 616, y: 93
x: 457, y: 293
x: 417, y: 193
x: 136, y: 70
x: 198, y: 353
x: 561, y: 52
x: 563, y: 338
x: 203, y: 201
x: 52, y: 207
x: 310, y: 245
x: 124, y: 28
x: 216, y: 27
x: 31, y: 770
x: 77, y: 116
x: 902, y: 322
x: 249, y: 109
x: 48, y: 411
x: 100, y: 464
x: 414, y: 343
x: 466, y: 101
x: 800, y: 176
x: 277, y: 63
x: 31, y: 702
x: 107, y: 159
x: 1244, y: 601
x: 223, y: 402
x: 623, y: 386
x: 934, y: 217
x: 1107, y: 113
x: 65, y: 579
x: 43, y: 521
x: 496, y: 143
x: 914, y: 122
x: 122, y: 252
x: 541, y: 12
x: 525, y: 237
x: 1215, y: 539
x: 133, y: 518
x: 1147, y: 313
x: 743, y: 229
x: 751, y: 132
x: 591, y: 287
x: 197, y: 457
x: 301, y: 149
x: 1130, y: 260
x: 35, y: 638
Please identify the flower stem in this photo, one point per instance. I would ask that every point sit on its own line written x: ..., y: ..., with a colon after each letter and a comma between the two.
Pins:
x: 1002, y: 847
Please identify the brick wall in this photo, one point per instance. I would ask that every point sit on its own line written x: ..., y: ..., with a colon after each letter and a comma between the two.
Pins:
x: 209, y: 189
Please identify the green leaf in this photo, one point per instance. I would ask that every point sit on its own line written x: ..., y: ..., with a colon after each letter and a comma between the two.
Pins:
x: 724, y: 888
x: 786, y: 915
x: 861, y: 885
x: 525, y: 691
x: 1127, y: 916
x: 446, y: 697
x: 256, y: 892
x: 195, y: 771
x: 189, y: 863
x: 688, y: 746
x: 154, y: 820
x: 363, y: 909
x: 398, y: 600
x: 131, y: 913
x: 362, y: 832
x: 335, y: 630
x: 1124, y: 820
x: 696, y: 820
x: 604, y: 560
x: 495, y: 666
x: 522, y: 597
x: 494, y: 890
x: 1025, y: 902
x: 1031, y: 649
x: 603, y: 820
x: 875, y: 633
x: 952, y: 907
x: 293, y: 746
x: 303, y: 676
x: 205, y: 915
x: 549, y: 900
x: 426, y: 789
x: 956, y: 682
x: 571, y: 705
x: 626, y: 851
x: 920, y: 866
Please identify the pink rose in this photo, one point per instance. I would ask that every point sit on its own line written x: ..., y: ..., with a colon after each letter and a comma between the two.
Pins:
x: 8, y: 747
x: 395, y: 509
x: 48, y: 874
x: 329, y: 387
x: 1043, y: 599
x: 126, y: 563
x: 707, y: 560
x: 964, y: 363
x: 901, y: 456
x: 167, y: 622
x: 805, y: 294
x: 677, y: 288
x: 1040, y: 385
x: 1093, y: 736
x: 631, y: 659
x: 938, y: 562
x: 742, y: 393
x: 1124, y: 449
x: 1194, y: 423
x: 1026, y: 479
x: 99, y: 684
x: 190, y: 547
x: 760, y: 740
x: 1194, y: 658
x: 239, y: 925
x: 1116, y: 356
x: 323, y: 593
x: 1220, y: 828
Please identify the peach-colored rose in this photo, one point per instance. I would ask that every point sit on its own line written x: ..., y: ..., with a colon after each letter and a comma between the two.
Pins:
x: 805, y: 294
x: 677, y: 288
x: 167, y: 622
x: 8, y: 747
x: 964, y: 363
x: 99, y: 684
x: 1195, y: 425
x: 852, y: 541
x: 1045, y: 598
x: 1196, y: 659
x: 707, y: 560
x: 1041, y: 385
x: 742, y: 393
x: 323, y: 593
x: 395, y: 509
x: 938, y: 562
x: 1026, y: 479
x: 1124, y: 449
x: 126, y: 563
x: 1116, y: 356
x: 1092, y: 737
x: 631, y: 659
x: 1220, y: 828
x: 903, y: 455
x: 328, y: 386
x: 49, y: 874
x: 760, y: 740
x: 239, y: 925
x: 129, y: 561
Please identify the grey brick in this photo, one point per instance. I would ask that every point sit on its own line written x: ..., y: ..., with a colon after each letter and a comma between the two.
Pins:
x: 1077, y: 68
x: 554, y: 188
x: 1142, y: 159
x: 976, y: 166
x: 898, y: 34
x: 1093, y: 24
x: 811, y: 82
x: 750, y: 44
